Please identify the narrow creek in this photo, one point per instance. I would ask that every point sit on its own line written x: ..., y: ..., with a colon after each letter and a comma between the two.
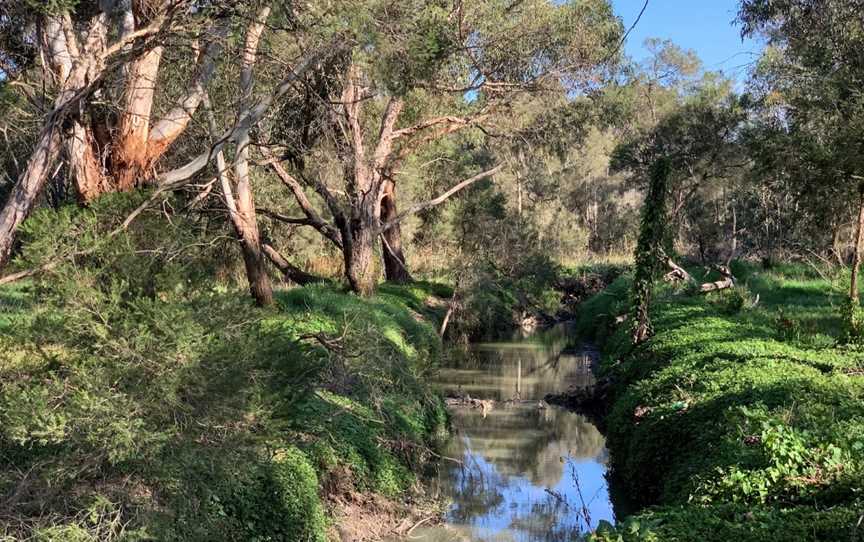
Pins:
x: 520, y: 470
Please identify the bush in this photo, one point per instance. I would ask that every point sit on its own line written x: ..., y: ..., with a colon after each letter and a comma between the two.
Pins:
x: 130, y: 375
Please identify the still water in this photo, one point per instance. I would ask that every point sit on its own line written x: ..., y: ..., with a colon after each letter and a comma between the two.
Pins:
x: 520, y: 470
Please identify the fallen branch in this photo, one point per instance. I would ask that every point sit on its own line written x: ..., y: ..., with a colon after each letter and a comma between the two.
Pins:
x: 728, y: 281
x: 678, y: 273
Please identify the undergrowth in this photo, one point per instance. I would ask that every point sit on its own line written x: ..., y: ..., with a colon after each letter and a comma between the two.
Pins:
x: 741, y: 418
x: 141, y: 399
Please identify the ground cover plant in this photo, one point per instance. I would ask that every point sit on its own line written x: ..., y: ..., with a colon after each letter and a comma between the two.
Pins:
x: 741, y: 417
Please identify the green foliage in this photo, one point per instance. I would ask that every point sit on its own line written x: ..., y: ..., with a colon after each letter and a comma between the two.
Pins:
x: 652, y: 234
x: 768, y: 427
x: 500, y: 294
x: 129, y: 376
x: 853, y: 319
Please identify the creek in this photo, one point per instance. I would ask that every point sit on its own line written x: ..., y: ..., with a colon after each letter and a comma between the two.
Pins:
x: 516, y: 468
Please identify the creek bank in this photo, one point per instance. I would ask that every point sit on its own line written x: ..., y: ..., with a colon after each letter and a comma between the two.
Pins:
x: 736, y: 420
x: 228, y: 422
x: 531, y: 301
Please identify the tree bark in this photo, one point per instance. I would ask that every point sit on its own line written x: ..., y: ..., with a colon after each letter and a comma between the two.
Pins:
x: 84, y: 166
x: 247, y: 221
x: 130, y: 155
x: 29, y: 185
x: 856, y: 260
x: 395, y: 268
x: 76, y: 71
x: 360, y: 268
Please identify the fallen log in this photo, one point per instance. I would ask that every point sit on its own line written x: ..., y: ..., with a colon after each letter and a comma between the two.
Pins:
x: 678, y: 273
x: 728, y: 281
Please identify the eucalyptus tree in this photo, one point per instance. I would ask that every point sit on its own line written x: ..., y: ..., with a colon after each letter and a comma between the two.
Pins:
x: 98, y: 70
x: 418, y: 72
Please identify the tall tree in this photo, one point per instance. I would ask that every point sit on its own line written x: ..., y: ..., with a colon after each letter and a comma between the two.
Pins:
x: 420, y: 72
x: 813, y: 72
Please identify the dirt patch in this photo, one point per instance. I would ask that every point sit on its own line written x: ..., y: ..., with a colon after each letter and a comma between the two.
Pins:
x: 362, y: 517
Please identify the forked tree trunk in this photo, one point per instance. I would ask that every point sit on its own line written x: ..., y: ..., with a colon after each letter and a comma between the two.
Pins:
x: 395, y: 268
x: 68, y: 127
x: 856, y: 260
x: 72, y: 78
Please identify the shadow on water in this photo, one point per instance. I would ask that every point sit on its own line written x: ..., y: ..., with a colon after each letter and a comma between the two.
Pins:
x: 524, y: 471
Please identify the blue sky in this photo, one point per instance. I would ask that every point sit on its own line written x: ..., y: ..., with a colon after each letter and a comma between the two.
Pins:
x: 706, y: 26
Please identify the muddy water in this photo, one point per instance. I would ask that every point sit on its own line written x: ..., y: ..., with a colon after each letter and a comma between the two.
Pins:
x: 521, y: 470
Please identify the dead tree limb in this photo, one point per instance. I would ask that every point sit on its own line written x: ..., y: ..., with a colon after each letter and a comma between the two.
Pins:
x: 678, y: 273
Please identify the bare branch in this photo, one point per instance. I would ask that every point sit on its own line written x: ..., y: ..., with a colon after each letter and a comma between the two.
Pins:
x: 416, y: 208
x: 169, y: 127
x: 312, y: 217
x: 181, y: 175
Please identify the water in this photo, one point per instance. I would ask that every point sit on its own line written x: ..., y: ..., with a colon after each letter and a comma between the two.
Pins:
x: 520, y: 470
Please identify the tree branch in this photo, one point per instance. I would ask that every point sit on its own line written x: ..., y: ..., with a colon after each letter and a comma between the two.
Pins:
x: 181, y: 175
x: 291, y: 272
x: 312, y: 217
x: 175, y: 121
x: 416, y: 208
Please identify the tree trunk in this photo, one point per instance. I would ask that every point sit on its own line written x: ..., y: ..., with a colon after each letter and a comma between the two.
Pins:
x: 360, y: 268
x: 247, y: 223
x: 84, y: 166
x: 130, y: 155
x: 247, y: 228
x: 395, y: 268
x: 649, y: 249
x: 856, y: 260
x: 23, y: 196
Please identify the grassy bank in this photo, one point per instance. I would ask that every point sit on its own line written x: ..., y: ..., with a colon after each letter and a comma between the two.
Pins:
x: 736, y: 421
x: 188, y: 414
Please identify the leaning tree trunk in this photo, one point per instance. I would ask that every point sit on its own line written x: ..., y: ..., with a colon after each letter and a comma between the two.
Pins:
x: 856, y: 260
x: 23, y: 196
x: 247, y: 223
x: 395, y: 268
x: 254, y: 261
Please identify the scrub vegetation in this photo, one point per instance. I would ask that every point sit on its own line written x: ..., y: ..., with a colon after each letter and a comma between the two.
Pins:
x: 237, y: 236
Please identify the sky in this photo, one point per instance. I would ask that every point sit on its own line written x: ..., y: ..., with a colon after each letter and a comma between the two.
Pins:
x: 706, y: 26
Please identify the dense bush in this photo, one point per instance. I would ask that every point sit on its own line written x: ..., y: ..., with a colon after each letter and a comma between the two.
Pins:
x: 141, y: 398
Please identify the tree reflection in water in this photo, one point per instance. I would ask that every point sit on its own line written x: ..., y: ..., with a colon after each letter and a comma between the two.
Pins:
x: 529, y: 472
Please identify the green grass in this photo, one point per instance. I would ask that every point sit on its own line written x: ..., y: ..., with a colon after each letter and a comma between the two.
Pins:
x: 735, y: 421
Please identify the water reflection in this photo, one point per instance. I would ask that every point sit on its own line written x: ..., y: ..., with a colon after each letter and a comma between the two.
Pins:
x: 528, y: 369
x: 527, y: 472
